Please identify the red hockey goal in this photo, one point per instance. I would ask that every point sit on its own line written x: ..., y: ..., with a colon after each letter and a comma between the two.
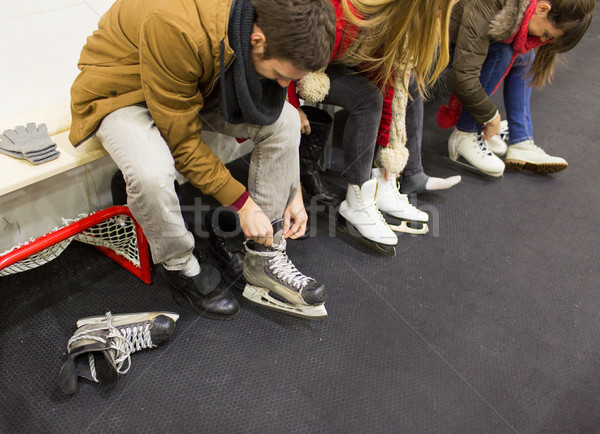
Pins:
x: 113, y: 231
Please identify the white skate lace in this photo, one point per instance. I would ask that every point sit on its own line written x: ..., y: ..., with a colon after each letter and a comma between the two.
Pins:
x: 282, y: 267
x: 371, y: 209
x: 123, y: 341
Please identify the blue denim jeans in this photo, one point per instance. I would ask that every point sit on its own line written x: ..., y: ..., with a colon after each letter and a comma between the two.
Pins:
x: 517, y: 92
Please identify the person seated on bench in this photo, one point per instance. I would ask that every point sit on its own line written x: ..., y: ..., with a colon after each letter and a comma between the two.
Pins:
x: 154, y: 74
x: 366, y: 76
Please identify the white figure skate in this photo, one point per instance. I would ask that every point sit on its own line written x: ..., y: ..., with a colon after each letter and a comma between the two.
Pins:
x: 497, y: 144
x: 400, y: 215
x: 473, y: 149
x: 360, y: 219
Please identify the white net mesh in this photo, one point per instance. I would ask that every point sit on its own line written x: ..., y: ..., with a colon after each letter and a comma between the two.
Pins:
x: 116, y: 233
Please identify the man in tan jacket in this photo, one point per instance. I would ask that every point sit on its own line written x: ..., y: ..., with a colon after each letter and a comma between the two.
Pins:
x: 153, y: 75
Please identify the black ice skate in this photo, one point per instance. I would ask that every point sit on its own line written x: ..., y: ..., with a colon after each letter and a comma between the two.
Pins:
x: 273, y: 281
x: 101, y: 347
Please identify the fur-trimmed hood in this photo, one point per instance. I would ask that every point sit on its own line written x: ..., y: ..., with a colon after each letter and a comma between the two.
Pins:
x: 507, y: 21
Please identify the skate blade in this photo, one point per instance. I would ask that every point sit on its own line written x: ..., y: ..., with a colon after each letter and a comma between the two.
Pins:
x: 474, y: 169
x: 383, y: 249
x: 406, y: 228
x: 261, y: 296
x: 125, y: 318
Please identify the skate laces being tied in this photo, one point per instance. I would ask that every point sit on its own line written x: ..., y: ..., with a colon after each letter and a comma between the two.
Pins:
x: 123, y: 342
x: 281, y: 266
x: 482, y: 146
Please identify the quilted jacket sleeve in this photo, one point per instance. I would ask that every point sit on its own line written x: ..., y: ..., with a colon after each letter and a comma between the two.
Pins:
x: 470, y: 52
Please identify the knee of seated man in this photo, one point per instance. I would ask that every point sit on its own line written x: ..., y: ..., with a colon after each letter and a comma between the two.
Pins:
x: 149, y: 180
x: 288, y: 123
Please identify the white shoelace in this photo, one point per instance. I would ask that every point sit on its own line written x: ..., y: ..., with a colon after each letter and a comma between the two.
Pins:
x: 282, y: 267
x: 123, y: 342
x: 370, y: 207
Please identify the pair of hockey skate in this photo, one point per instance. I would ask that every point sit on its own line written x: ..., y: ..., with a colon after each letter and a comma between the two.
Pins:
x: 472, y: 151
x: 100, y: 350
x: 373, y: 212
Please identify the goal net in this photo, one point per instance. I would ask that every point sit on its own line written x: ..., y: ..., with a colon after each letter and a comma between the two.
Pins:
x: 113, y: 231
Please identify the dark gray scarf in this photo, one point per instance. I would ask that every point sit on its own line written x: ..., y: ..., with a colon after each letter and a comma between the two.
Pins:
x: 244, y: 96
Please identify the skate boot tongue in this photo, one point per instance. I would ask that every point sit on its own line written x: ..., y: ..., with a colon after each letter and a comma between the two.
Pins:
x: 369, y: 191
x: 277, y: 232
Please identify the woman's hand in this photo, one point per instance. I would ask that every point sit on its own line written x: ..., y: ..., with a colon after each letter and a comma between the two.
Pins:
x: 491, y: 128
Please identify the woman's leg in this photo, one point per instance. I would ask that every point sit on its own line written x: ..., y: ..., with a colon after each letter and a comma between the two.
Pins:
x: 492, y: 71
x: 522, y: 152
x: 358, y: 95
x: 414, y: 179
x: 517, y: 94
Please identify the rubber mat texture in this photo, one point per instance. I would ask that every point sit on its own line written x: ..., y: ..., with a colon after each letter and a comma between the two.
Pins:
x: 489, y: 323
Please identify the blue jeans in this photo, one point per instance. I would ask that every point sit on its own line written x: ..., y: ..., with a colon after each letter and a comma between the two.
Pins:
x: 517, y: 92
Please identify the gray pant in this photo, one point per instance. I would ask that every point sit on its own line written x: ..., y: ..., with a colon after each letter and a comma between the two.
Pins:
x: 137, y: 147
x: 414, y: 131
x: 357, y: 94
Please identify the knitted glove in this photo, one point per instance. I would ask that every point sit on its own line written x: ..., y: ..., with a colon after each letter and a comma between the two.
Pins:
x: 33, y: 158
x: 26, y: 140
x: 29, y: 143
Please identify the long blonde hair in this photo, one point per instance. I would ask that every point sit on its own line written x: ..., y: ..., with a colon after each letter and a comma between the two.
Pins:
x: 395, y: 36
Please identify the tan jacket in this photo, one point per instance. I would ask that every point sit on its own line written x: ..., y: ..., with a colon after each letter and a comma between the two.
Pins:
x: 166, y: 54
x: 475, y: 24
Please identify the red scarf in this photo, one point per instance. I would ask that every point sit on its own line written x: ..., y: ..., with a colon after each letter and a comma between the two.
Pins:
x: 522, y: 42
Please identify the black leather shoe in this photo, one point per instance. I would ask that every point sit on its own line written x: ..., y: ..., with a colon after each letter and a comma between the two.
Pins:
x: 227, y: 243
x: 204, y: 293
